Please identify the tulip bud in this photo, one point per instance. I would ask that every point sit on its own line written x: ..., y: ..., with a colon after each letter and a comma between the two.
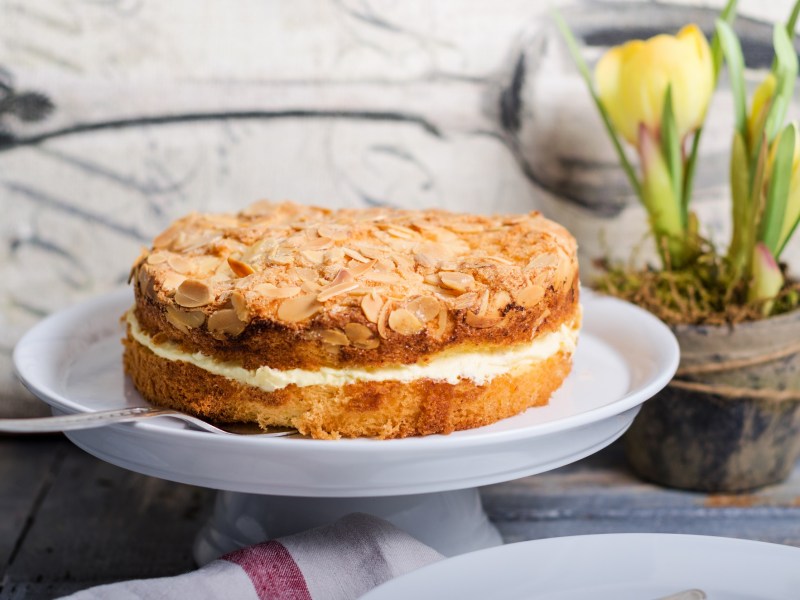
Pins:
x: 632, y: 80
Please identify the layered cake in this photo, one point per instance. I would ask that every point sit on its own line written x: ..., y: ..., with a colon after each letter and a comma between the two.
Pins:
x: 346, y: 323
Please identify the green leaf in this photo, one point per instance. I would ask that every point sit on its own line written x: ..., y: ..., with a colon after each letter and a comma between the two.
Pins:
x: 583, y: 69
x: 732, y: 50
x: 727, y: 15
x: 671, y: 149
x: 778, y: 192
x: 740, y: 194
x: 792, y: 22
x: 785, y: 69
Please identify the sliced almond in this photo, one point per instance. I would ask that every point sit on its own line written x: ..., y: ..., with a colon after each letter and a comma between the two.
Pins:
x: 424, y: 260
x: 306, y: 274
x: 156, y: 258
x: 313, y: 256
x: 465, y: 227
x: 167, y: 237
x: 342, y: 276
x: 432, y: 279
x: 358, y: 333
x: 455, y: 280
x: 404, y: 322
x: 171, y: 281
x: 179, y: 263
x: 239, y: 268
x: 530, y: 295
x: 333, y: 232
x: 399, y: 231
x: 483, y: 304
x: 355, y: 254
x: 335, y: 255
x: 358, y: 269
x: 481, y: 321
x: 500, y: 301
x: 435, y: 250
x: 159, y: 338
x: 320, y: 243
x: 299, y: 309
x: 381, y: 277
x: 239, y: 303
x: 185, y: 320
x: 225, y: 322
x: 383, y: 316
x: 542, y: 260
x: 336, y: 289
x: 205, y: 266
x: 424, y: 308
x: 268, y: 290
x: 192, y: 293
x: 334, y: 337
x: 465, y: 300
x: 371, y: 306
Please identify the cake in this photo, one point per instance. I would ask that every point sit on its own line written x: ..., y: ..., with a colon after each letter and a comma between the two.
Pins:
x: 374, y: 322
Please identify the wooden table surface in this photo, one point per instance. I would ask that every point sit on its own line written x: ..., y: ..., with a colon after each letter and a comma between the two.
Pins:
x: 71, y: 521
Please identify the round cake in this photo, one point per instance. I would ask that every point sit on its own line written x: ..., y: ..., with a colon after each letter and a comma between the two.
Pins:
x: 354, y: 323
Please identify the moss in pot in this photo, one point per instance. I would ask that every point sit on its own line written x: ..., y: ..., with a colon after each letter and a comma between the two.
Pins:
x: 730, y: 420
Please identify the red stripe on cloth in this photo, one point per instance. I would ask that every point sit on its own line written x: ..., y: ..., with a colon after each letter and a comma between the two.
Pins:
x: 272, y: 570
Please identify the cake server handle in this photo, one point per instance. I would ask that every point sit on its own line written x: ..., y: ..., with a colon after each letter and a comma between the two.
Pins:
x: 118, y: 415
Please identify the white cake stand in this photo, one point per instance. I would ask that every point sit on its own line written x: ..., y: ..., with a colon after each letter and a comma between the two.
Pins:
x: 276, y: 486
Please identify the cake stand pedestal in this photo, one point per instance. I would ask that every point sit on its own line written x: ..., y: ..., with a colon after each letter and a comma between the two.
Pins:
x: 451, y: 522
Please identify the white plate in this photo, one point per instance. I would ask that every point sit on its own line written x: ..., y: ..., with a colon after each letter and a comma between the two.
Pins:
x: 630, y: 566
x: 72, y: 361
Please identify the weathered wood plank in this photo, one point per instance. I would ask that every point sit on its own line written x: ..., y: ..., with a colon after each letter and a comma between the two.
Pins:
x: 600, y: 495
x: 100, y: 523
x: 26, y: 468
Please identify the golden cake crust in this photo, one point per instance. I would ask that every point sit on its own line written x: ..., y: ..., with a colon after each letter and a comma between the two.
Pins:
x: 293, y: 286
x: 386, y: 409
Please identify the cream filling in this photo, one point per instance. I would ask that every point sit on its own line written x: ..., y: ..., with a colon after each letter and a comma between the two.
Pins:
x: 449, y: 366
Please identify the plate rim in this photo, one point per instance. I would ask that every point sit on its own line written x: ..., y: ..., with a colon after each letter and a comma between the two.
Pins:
x: 626, y: 402
x: 712, y: 541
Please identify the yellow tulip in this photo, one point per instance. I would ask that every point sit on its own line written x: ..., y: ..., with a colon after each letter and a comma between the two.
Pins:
x: 633, y: 78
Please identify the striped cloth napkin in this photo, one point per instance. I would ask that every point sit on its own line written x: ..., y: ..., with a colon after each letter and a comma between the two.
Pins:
x: 335, y: 562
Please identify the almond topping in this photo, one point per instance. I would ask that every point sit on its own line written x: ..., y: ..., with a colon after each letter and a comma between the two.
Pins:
x: 185, y: 320
x: 225, y: 321
x: 342, y: 276
x: 267, y: 290
x: 320, y: 243
x: 456, y: 281
x: 166, y: 237
x: 530, y: 295
x: 333, y: 232
x: 481, y: 321
x: 442, y: 325
x: 465, y: 300
x: 382, y: 318
x: 192, y: 293
x: 465, y: 227
x: 371, y: 305
x: 404, y: 322
x: 360, y: 268
x: 334, y: 337
x: 355, y: 254
x: 361, y: 336
x: 306, y: 274
x: 156, y: 258
x: 331, y: 291
x: 179, y: 263
x: 239, y: 303
x: 240, y: 269
x: 542, y: 260
x: 299, y: 309
x: 499, y: 302
x: 424, y: 308
x: 170, y: 281
x: 484, y: 303
x: 313, y: 256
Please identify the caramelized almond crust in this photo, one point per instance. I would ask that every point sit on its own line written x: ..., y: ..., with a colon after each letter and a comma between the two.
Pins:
x: 291, y: 286
x: 384, y: 410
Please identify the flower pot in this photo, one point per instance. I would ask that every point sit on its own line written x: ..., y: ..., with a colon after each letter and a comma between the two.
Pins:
x: 730, y: 420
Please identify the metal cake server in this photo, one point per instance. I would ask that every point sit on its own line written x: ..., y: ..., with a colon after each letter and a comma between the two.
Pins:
x: 125, y: 415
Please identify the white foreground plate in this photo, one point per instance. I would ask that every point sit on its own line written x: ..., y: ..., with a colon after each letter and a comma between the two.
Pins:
x: 630, y: 566
x: 72, y: 361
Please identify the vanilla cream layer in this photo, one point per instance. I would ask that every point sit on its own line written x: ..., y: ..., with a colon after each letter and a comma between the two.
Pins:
x: 449, y: 366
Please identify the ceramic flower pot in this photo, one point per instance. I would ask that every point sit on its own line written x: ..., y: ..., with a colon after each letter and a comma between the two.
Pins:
x: 730, y: 421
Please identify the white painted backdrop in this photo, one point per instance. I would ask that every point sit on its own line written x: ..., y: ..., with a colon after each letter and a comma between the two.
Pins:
x: 118, y: 116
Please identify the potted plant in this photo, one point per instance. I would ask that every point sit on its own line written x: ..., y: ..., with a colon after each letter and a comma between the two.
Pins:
x: 730, y: 420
